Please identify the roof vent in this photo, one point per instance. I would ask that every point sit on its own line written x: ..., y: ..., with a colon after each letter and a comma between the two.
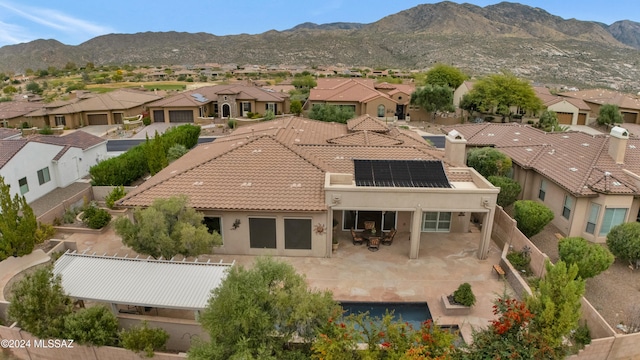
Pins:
x: 516, y: 140
x: 616, y: 183
x: 296, y: 185
x: 529, y: 149
x: 197, y: 183
x: 245, y: 184
x: 257, y: 151
x: 632, y: 146
x: 606, y: 173
x: 455, y: 135
x: 573, y: 169
x: 565, y: 136
x: 491, y: 134
x: 585, y: 144
x: 517, y: 133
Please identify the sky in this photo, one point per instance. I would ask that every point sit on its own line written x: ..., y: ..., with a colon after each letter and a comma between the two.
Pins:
x: 74, y: 22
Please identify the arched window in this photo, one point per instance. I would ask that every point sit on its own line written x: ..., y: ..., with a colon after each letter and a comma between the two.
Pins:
x: 380, y: 110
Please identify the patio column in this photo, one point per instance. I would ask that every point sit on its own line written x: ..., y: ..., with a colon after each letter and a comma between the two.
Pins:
x: 329, y: 232
x: 416, y: 222
x: 487, y: 226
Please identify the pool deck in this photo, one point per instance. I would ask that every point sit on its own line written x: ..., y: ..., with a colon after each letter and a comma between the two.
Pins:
x: 353, y: 273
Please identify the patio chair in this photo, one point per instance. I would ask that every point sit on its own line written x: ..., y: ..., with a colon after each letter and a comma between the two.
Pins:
x: 388, y: 237
x: 373, y: 244
x: 357, y: 238
x: 368, y: 225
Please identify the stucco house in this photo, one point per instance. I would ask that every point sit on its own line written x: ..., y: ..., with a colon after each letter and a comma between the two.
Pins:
x: 36, y: 165
x: 95, y: 109
x: 218, y: 101
x: 13, y: 113
x: 275, y: 188
x: 594, y: 98
x: 590, y: 182
x: 382, y: 100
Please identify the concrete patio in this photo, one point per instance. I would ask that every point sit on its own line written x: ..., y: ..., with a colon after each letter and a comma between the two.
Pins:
x: 353, y: 273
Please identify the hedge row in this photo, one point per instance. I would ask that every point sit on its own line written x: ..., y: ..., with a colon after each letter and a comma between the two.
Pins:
x: 133, y: 164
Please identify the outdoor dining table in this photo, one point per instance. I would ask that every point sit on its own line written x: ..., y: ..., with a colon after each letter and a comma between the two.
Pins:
x: 373, y: 239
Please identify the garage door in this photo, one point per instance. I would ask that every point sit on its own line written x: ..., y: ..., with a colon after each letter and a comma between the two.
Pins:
x: 628, y: 117
x: 158, y: 115
x: 181, y: 116
x: 564, y: 118
x: 582, y: 119
x: 98, y: 119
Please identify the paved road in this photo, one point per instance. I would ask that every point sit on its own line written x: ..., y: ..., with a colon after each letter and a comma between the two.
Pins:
x: 120, y: 145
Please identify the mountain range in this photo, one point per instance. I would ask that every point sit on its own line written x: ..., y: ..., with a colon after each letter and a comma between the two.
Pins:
x: 527, y: 41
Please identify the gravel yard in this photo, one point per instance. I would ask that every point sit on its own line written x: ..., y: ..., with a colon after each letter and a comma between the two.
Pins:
x: 615, y: 293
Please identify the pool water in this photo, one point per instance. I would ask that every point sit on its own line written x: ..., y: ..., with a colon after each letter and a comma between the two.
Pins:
x: 415, y: 313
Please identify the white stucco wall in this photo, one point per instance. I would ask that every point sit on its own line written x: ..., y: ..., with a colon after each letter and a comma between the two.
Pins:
x: 26, y: 163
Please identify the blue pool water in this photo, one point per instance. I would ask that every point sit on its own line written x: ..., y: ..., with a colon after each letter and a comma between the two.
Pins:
x: 412, y: 312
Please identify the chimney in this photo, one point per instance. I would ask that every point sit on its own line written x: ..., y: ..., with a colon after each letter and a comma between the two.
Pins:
x: 455, y: 148
x: 618, y: 143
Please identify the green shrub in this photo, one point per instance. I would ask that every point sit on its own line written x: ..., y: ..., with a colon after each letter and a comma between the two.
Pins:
x: 95, y: 218
x: 509, y: 189
x: 592, y: 259
x: 186, y: 135
x: 531, y: 216
x: 582, y: 336
x: 114, y: 195
x: 146, y: 121
x: 269, y: 115
x: 44, y: 232
x: 69, y: 216
x: 45, y: 131
x: 95, y: 326
x: 624, y: 241
x: 26, y: 125
x: 463, y: 295
x: 176, y: 151
x: 519, y: 260
x: 144, y: 338
x: 489, y: 162
x: 232, y: 123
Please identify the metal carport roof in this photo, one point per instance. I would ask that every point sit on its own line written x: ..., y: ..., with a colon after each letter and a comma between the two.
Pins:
x: 140, y: 281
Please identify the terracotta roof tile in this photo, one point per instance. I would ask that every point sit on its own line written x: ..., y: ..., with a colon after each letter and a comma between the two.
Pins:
x: 79, y: 139
x: 14, y: 109
x: 8, y: 149
x: 365, y: 138
x: 367, y: 122
x: 7, y: 132
x: 603, y: 96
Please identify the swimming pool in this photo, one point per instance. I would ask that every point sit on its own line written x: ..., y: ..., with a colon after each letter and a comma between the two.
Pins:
x: 412, y: 312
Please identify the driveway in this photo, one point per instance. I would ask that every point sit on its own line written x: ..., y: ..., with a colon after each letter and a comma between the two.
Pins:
x: 99, y: 130
x: 151, y: 130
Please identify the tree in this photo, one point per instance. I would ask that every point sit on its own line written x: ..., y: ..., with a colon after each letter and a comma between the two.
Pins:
x: 167, y: 228
x: 304, y: 81
x: 18, y: 224
x: 95, y: 326
x: 331, y: 113
x: 296, y: 107
x: 489, y: 162
x: 509, y: 189
x: 433, y: 98
x: 39, y: 304
x: 156, y: 155
x: 624, y: 242
x: 591, y: 259
x: 445, y: 75
x: 548, y: 121
x: 9, y: 90
x: 34, y: 88
x: 257, y: 312
x: 503, y: 91
x: 531, y: 216
x: 144, y: 338
x: 609, y: 114
x: 556, y: 303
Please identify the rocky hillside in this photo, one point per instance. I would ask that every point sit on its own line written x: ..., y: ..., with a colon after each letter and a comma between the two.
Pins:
x: 507, y: 36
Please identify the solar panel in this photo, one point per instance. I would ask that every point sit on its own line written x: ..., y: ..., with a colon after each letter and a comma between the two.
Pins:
x: 400, y: 173
x: 199, y: 97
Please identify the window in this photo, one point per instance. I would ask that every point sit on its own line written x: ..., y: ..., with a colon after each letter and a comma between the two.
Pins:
x: 215, y: 108
x: 272, y: 107
x: 436, y: 221
x: 355, y: 219
x: 213, y: 223
x: 566, y: 208
x: 202, y: 111
x: 380, y: 110
x: 43, y: 175
x: 297, y: 234
x: 24, y: 186
x: 543, y: 190
x: 60, y: 120
x: 593, y: 218
x: 262, y: 233
x: 612, y: 217
x: 246, y: 106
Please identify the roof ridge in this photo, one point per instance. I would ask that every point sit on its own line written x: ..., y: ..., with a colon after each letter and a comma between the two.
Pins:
x: 592, y: 166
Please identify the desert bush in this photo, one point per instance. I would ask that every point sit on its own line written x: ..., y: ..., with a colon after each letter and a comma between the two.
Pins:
x: 114, y: 195
x: 44, y: 232
x: 95, y: 218
x: 144, y: 338
x: 509, y: 189
x: 95, y: 325
x: 176, y: 151
x: 592, y: 259
x: 624, y: 242
x: 146, y: 121
x: 519, y: 259
x: 489, y: 162
x: 45, y: 131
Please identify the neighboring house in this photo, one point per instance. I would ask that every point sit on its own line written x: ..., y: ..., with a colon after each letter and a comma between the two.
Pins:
x: 591, y: 183
x: 570, y: 111
x: 218, y: 101
x: 277, y: 186
x: 36, y: 165
x: 629, y: 105
x: 96, y: 109
x: 365, y: 96
x: 461, y: 91
x: 14, y: 113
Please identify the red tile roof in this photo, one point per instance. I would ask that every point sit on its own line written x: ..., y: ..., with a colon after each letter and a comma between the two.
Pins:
x: 602, y: 96
x: 578, y: 162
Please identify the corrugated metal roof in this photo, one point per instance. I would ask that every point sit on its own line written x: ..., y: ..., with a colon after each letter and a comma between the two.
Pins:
x: 140, y: 282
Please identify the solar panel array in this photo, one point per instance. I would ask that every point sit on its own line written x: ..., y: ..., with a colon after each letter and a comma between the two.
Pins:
x: 199, y: 97
x: 400, y: 173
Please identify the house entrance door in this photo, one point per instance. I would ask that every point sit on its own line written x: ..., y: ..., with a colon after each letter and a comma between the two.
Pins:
x: 226, y: 110
x: 400, y: 111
